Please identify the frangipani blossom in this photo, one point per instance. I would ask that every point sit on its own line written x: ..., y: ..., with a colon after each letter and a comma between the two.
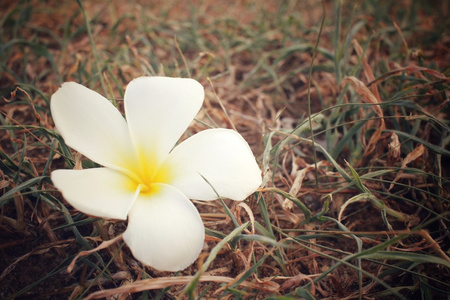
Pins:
x: 145, y: 177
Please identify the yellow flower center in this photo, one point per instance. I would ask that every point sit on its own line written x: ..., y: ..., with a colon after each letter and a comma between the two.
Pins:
x: 148, y: 173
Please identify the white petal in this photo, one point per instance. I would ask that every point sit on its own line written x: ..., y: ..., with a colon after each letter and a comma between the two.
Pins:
x: 90, y: 124
x: 159, y: 110
x: 164, y: 230
x: 100, y: 192
x: 222, y: 157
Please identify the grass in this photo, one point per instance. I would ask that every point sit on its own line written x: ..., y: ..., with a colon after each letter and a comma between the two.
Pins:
x: 348, y: 119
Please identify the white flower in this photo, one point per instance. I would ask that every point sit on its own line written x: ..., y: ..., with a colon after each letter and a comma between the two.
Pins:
x: 143, y: 176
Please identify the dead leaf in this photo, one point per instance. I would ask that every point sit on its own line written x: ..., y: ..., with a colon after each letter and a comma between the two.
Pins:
x: 103, y: 245
x: 4, y: 183
x: 373, y: 142
x: 78, y: 164
x: 296, y: 186
x: 411, y: 68
x: 415, y: 154
x: 296, y: 280
x: 367, y: 95
x: 367, y: 69
x: 394, y: 147
x: 163, y: 282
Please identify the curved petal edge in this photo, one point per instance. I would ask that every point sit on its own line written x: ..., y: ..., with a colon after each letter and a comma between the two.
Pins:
x: 90, y: 124
x: 212, y: 163
x: 165, y: 230
x: 100, y: 192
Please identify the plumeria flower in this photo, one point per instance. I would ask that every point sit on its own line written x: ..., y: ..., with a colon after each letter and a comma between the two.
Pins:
x: 145, y: 175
